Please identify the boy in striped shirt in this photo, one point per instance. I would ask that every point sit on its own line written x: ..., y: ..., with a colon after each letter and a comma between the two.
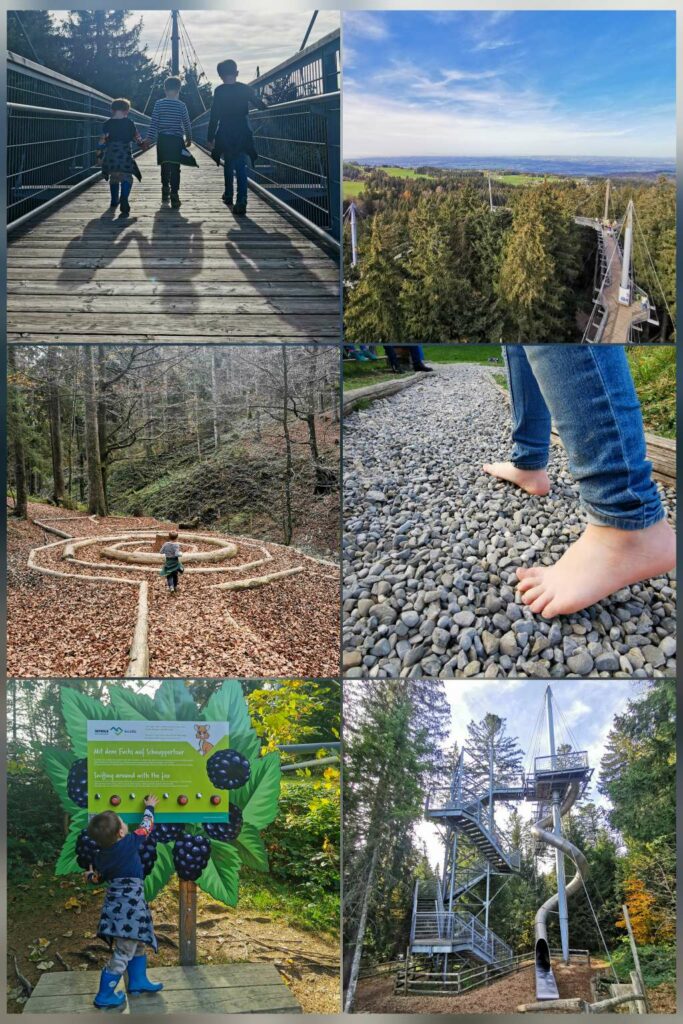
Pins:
x: 170, y: 129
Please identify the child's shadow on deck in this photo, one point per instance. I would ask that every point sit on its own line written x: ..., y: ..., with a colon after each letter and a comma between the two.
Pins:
x: 108, y: 247
x: 262, y: 264
x: 160, y: 262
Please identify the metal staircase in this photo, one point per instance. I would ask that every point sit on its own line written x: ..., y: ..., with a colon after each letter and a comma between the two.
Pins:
x: 435, y: 930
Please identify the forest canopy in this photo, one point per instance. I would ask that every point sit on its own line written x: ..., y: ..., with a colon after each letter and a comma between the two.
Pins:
x: 443, y: 259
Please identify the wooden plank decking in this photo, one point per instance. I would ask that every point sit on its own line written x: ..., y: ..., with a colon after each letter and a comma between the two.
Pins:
x: 228, y: 988
x: 197, y: 274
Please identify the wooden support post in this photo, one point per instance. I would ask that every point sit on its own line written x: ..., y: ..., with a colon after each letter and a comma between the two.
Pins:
x: 188, y: 923
x: 636, y: 960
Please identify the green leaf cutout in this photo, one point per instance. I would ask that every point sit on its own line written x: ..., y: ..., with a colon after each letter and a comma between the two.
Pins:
x: 251, y: 848
x: 258, y: 799
x: 174, y: 703
x: 67, y: 862
x: 57, y: 764
x: 227, y: 704
x: 220, y: 877
x: 161, y: 872
x: 131, y: 706
x: 78, y: 710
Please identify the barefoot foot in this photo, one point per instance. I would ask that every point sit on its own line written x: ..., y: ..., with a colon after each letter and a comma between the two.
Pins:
x: 602, y: 561
x: 533, y: 481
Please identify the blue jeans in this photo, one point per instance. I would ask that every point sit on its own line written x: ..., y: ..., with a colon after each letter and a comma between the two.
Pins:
x: 125, y: 187
x: 588, y: 391
x: 237, y: 167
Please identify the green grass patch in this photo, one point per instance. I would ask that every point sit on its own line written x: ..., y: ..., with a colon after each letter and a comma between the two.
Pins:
x: 463, y: 354
x: 352, y: 189
x: 517, y: 179
x: 317, y: 912
x: 654, y: 375
x: 404, y: 172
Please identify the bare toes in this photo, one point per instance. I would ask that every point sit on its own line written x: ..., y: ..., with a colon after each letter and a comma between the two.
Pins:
x: 541, y: 603
x: 551, y: 609
x: 521, y: 573
x: 533, y: 580
x: 530, y: 595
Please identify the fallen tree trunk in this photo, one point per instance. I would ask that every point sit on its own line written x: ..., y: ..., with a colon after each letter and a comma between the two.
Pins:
x: 259, y: 581
x: 138, y: 663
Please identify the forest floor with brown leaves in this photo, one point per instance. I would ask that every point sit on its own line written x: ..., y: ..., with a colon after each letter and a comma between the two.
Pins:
x: 63, y: 628
x: 376, y: 995
x: 52, y: 922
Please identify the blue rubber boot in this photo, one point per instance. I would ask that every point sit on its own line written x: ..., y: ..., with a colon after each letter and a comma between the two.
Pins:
x: 137, y: 977
x: 106, y: 995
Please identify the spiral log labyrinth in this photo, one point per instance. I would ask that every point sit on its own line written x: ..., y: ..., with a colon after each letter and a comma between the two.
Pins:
x: 211, y: 562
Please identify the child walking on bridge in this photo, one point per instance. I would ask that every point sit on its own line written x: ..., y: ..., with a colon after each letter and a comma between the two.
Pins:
x: 229, y: 133
x: 171, y: 130
x: 126, y: 922
x: 115, y: 155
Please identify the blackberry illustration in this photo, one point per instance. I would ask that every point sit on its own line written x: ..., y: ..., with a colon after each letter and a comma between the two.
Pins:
x: 77, y: 782
x: 148, y: 853
x: 228, y: 830
x: 227, y: 769
x: 191, y: 854
x: 167, y: 832
x: 86, y: 848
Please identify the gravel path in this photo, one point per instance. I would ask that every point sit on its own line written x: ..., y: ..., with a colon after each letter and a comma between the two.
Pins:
x: 431, y: 546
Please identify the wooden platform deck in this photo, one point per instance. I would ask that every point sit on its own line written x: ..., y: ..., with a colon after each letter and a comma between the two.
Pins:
x: 230, y: 988
x: 620, y: 318
x: 196, y: 274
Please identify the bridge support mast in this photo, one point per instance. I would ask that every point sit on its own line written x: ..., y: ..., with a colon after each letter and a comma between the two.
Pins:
x: 625, y: 283
x: 557, y: 829
x: 607, y: 192
x: 175, y: 44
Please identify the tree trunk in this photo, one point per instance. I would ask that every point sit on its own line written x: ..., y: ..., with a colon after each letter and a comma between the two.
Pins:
x: 287, y: 525
x: 215, y: 404
x: 55, y: 420
x: 102, y: 419
x: 360, y: 934
x: 17, y: 431
x: 96, y: 499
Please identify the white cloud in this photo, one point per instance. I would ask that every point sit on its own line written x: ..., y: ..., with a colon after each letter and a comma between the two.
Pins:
x: 491, y: 122
x: 365, y: 25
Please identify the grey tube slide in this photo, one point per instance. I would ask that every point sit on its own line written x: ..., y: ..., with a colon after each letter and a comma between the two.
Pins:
x: 559, y: 843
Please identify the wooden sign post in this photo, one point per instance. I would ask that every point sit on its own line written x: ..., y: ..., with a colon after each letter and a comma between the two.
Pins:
x: 188, y: 923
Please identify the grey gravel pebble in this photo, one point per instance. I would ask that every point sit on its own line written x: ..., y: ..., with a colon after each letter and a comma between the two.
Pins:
x: 432, y: 544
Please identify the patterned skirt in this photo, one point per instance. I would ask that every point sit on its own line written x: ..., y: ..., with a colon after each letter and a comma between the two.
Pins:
x: 125, y: 914
x: 118, y: 163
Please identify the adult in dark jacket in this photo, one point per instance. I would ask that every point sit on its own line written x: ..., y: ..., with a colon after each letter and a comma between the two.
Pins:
x: 229, y: 132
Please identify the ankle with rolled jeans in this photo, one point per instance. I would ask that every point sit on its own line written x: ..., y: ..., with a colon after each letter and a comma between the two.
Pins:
x: 588, y: 392
x: 236, y: 168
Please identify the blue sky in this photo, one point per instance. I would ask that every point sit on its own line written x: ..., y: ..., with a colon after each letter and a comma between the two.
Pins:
x: 586, y: 713
x: 509, y: 83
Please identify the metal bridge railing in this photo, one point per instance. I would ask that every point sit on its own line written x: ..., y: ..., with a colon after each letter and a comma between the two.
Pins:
x: 570, y: 761
x: 298, y: 137
x: 53, y: 124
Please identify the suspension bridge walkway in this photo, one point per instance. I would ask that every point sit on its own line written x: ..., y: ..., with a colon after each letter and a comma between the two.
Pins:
x: 79, y: 272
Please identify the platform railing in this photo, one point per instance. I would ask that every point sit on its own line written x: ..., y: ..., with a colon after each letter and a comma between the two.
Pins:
x: 53, y: 126
x: 297, y: 138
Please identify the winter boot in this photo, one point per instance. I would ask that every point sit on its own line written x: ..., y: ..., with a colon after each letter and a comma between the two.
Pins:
x: 106, y: 995
x: 125, y: 207
x: 240, y: 209
x: 165, y: 193
x: 137, y: 977
x: 175, y: 200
